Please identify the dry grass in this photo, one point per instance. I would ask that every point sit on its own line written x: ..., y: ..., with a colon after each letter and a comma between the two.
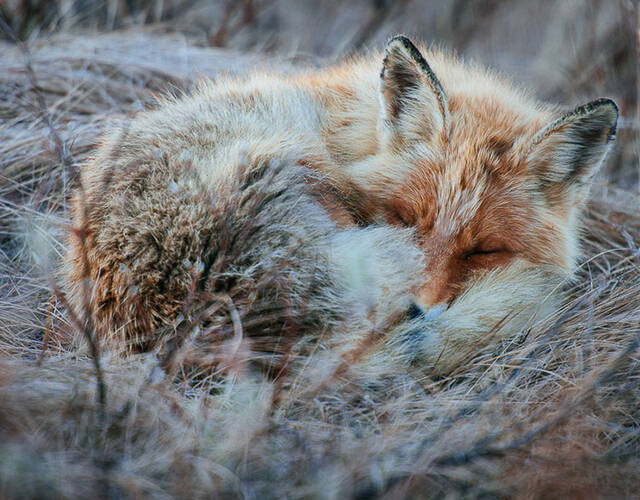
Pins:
x: 554, y: 413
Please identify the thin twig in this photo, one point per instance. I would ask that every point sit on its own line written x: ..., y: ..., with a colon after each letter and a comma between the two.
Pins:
x: 47, y: 331
x: 86, y: 327
x: 479, y: 449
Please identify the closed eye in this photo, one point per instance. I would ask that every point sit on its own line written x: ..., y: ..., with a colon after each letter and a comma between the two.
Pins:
x: 399, y: 219
x: 480, y: 251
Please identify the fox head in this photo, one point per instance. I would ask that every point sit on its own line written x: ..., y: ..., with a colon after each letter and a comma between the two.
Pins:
x: 487, y: 177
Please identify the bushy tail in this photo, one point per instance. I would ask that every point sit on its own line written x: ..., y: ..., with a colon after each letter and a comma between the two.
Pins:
x: 251, y: 260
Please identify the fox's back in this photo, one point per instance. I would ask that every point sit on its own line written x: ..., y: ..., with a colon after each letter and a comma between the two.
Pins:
x: 488, y: 183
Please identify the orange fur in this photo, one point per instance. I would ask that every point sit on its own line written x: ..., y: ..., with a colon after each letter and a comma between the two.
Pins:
x: 474, y: 191
x: 490, y: 181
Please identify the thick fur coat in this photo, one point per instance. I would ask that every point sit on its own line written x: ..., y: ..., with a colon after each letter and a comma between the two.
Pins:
x: 310, y: 278
x: 432, y: 196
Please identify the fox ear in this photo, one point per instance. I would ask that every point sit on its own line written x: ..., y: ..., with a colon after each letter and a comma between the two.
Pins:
x: 567, y: 153
x: 413, y: 103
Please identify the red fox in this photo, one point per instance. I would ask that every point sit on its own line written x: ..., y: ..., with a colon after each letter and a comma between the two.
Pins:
x: 416, y: 193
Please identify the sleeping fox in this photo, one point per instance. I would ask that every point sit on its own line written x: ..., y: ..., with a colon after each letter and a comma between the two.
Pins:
x: 400, y: 192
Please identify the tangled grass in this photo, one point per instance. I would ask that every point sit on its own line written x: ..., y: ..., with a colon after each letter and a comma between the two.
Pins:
x: 552, y: 413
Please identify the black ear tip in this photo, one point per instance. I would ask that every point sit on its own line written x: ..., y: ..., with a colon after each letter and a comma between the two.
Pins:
x: 610, y: 104
x: 605, y: 101
x: 597, y: 104
x: 603, y: 104
x: 401, y: 41
x: 400, y: 38
x: 606, y: 111
x: 612, y: 113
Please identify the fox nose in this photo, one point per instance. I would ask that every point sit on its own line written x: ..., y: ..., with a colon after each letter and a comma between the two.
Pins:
x: 415, y: 311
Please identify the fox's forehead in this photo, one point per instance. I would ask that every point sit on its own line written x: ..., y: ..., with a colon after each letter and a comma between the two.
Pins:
x: 475, y: 174
x: 467, y: 181
x: 460, y: 194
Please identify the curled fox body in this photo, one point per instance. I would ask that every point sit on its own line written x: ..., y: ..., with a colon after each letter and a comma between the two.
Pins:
x: 408, y: 192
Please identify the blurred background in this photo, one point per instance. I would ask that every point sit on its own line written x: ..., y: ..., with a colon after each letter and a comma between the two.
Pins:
x: 568, y: 51
x: 534, y: 420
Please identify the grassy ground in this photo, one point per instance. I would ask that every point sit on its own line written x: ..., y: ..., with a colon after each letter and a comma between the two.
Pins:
x: 553, y: 413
